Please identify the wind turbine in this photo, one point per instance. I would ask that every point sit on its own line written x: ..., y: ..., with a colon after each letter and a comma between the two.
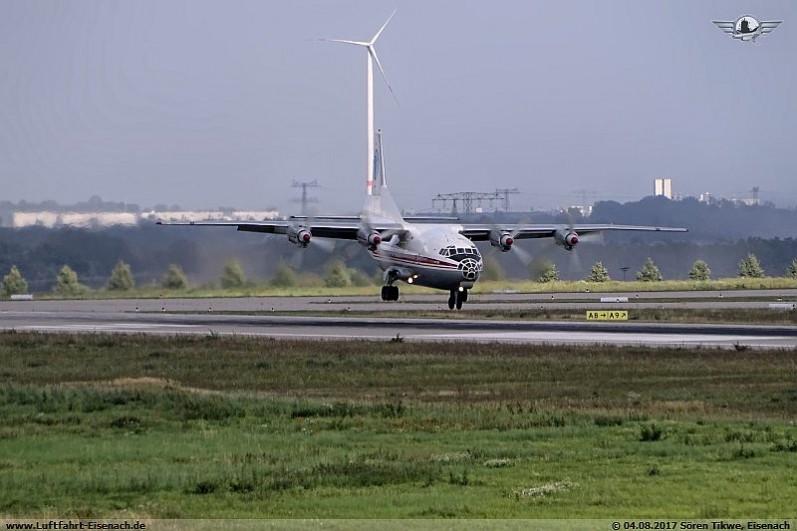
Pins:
x: 371, y: 57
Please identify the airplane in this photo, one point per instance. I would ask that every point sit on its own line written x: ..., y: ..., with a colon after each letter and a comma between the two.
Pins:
x: 432, y: 252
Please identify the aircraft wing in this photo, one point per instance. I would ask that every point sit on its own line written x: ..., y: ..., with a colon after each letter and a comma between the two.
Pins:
x: 343, y: 228
x: 520, y: 232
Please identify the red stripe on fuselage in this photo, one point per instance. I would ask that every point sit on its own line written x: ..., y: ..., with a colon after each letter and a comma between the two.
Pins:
x: 413, y: 259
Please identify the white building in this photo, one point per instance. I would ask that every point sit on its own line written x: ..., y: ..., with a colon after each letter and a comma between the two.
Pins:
x: 108, y: 219
x: 210, y: 215
x: 662, y: 187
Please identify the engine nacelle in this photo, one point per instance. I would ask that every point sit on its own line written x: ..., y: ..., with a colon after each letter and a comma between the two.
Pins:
x: 300, y: 236
x: 369, y: 239
x: 566, y: 238
x: 503, y: 240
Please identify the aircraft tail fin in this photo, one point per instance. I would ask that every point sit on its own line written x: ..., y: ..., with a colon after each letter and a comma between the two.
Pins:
x: 380, y: 179
x: 380, y: 205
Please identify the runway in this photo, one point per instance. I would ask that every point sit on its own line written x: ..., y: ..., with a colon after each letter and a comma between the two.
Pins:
x: 162, y: 316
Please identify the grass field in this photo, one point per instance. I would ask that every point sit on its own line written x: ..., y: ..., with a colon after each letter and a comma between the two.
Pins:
x: 125, y: 426
x: 651, y: 314
x: 522, y: 286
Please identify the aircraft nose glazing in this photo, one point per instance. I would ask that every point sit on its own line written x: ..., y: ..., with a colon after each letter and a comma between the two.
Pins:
x: 470, y: 268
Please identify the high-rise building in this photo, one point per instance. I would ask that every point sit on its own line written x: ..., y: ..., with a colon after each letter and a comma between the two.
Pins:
x: 662, y: 187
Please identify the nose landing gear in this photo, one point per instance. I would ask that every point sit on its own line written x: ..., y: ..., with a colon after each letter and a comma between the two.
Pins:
x: 390, y: 293
x: 457, y: 298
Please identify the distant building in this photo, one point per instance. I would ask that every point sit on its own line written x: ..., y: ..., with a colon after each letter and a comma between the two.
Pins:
x: 585, y: 210
x: 108, y: 219
x: 662, y: 187
x: 72, y: 219
x: 210, y: 215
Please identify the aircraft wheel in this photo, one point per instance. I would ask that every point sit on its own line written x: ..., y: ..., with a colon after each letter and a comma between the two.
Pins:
x: 465, y: 296
x: 451, y: 300
x: 390, y: 293
x: 460, y: 299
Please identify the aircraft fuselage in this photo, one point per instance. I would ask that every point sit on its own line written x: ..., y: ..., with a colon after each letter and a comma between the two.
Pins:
x: 435, y: 256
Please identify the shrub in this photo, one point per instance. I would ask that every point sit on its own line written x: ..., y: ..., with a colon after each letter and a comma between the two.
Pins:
x: 700, y: 271
x: 492, y: 270
x: 284, y: 276
x: 121, y: 278
x: 13, y: 283
x: 174, y: 278
x: 233, y: 275
x: 791, y: 271
x: 649, y: 272
x: 337, y: 275
x: 598, y: 273
x: 549, y: 273
x: 66, y: 283
x: 650, y: 433
x: 750, y: 267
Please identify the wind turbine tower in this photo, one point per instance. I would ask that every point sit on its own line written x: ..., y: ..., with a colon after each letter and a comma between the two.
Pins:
x: 370, y: 57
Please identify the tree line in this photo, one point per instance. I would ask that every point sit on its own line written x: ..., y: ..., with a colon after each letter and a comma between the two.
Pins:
x: 150, y: 251
x: 121, y: 279
x: 748, y: 267
x: 337, y: 274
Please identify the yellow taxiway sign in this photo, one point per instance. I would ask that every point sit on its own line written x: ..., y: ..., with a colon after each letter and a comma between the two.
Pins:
x: 607, y: 315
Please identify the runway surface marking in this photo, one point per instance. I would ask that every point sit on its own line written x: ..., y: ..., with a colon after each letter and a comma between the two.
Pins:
x: 140, y: 327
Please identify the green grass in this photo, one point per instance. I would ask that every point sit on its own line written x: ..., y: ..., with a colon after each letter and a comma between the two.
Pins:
x: 99, y: 425
x: 522, y: 286
x: 541, y: 313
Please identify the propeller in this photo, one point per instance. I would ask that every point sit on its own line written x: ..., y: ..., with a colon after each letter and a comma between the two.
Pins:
x: 313, y: 242
x: 570, y: 239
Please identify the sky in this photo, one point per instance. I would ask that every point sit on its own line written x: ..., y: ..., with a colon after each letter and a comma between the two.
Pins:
x: 209, y: 103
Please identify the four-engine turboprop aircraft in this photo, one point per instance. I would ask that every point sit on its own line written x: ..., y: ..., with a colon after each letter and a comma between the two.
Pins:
x: 421, y: 251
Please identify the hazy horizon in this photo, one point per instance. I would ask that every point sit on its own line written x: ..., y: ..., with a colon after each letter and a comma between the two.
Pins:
x: 204, y: 104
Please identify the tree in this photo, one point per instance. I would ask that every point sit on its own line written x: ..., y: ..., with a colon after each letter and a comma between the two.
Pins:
x: 66, y: 283
x: 750, y: 267
x: 649, y: 272
x: 337, y: 275
x: 174, y: 278
x: 492, y: 270
x: 233, y: 276
x: 548, y: 273
x: 360, y: 278
x: 598, y: 273
x: 699, y: 271
x: 284, y: 276
x: 121, y: 278
x: 13, y: 283
x: 791, y: 271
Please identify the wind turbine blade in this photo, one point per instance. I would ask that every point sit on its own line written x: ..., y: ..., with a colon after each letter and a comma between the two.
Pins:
x: 372, y: 51
x: 378, y: 33
x: 344, y: 41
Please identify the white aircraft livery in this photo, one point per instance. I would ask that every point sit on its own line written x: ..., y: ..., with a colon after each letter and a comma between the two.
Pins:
x: 438, y: 254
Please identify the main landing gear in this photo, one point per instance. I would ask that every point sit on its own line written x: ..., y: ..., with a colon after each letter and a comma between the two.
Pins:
x: 390, y: 293
x: 457, y: 298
